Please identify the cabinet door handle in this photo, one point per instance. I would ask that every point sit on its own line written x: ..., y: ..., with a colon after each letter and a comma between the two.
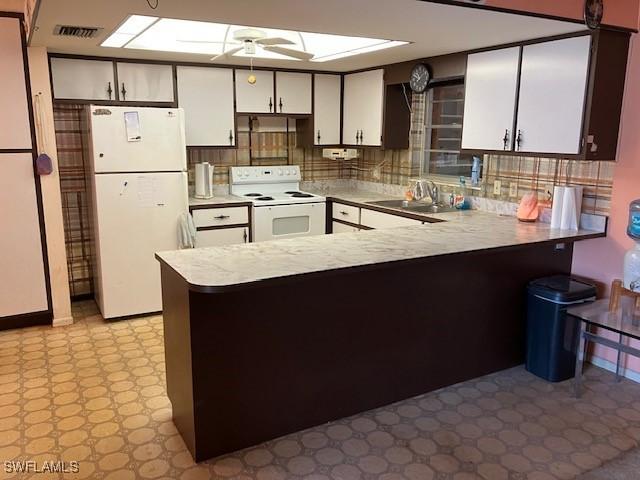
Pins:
x: 109, y: 90
x: 361, y: 136
x: 280, y: 104
x: 505, y: 139
x: 357, y: 136
x: 244, y: 235
x: 123, y: 91
x: 519, y: 140
x: 344, y: 213
x: 318, y: 136
x: 221, y: 217
x: 230, y: 137
x: 270, y: 104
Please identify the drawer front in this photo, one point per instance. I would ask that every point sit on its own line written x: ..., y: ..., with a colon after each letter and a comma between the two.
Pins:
x: 374, y: 219
x: 222, y: 236
x: 342, y: 228
x: 215, y: 217
x: 346, y: 213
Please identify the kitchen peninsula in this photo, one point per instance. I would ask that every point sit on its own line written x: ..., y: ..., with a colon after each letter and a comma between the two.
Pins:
x: 273, y: 337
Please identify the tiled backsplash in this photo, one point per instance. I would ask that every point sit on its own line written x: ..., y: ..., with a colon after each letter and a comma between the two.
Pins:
x: 274, y: 151
x: 398, y: 167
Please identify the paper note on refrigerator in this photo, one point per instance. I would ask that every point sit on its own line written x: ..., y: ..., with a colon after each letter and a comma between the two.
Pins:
x: 132, y: 125
x: 151, y: 192
x: 146, y: 195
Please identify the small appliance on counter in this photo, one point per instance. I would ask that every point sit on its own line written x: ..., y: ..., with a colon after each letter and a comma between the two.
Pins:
x: 204, y: 180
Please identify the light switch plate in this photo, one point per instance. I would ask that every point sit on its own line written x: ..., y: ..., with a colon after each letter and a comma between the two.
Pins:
x: 513, y: 189
x: 497, y: 187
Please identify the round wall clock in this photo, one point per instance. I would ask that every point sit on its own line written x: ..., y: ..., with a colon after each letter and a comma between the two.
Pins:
x: 593, y: 11
x: 420, y: 76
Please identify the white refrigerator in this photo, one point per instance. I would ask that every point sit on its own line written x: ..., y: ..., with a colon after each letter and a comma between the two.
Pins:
x: 139, y: 191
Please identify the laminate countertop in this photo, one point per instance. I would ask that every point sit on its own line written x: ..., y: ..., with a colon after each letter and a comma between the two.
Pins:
x: 230, y: 267
x: 225, y: 200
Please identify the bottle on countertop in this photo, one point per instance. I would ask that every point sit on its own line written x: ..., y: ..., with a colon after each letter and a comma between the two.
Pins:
x: 475, y: 171
x: 632, y: 257
x: 461, y: 199
x: 633, y: 230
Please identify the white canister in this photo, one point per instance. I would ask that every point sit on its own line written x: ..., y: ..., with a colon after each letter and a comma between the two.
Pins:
x: 632, y: 269
x: 204, y: 180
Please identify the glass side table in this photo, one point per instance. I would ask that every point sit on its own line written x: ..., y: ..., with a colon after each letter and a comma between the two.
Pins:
x: 624, y: 322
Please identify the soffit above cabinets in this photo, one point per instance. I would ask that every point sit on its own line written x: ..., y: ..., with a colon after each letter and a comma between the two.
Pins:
x: 432, y: 28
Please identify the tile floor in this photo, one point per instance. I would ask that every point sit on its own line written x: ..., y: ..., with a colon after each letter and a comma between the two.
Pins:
x: 94, y: 392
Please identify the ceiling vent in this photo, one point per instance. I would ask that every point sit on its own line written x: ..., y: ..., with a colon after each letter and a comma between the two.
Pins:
x: 75, y: 31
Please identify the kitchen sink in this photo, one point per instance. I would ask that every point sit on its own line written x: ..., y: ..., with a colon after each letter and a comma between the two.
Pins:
x: 418, y: 207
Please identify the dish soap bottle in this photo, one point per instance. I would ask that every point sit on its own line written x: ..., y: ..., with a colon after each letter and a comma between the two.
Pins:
x: 632, y: 257
x: 461, y: 201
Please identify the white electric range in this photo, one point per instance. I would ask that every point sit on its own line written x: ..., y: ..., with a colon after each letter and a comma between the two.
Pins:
x: 280, y: 210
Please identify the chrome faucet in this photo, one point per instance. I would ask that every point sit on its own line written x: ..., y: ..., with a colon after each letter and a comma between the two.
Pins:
x: 432, y: 190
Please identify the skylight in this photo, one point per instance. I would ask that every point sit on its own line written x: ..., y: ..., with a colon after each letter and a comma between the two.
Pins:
x: 188, y: 36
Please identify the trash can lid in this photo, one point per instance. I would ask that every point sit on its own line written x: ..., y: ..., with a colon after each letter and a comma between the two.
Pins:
x: 562, y: 289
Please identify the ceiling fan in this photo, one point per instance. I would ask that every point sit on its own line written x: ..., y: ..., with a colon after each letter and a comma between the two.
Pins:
x: 248, y: 38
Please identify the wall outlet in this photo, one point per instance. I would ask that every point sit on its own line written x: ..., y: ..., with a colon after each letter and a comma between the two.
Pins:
x: 548, y: 192
x: 513, y: 189
x: 497, y: 187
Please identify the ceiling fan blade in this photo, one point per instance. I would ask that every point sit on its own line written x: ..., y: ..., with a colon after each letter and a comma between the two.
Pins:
x: 197, y: 41
x: 227, y: 54
x: 274, y: 41
x: 289, y: 52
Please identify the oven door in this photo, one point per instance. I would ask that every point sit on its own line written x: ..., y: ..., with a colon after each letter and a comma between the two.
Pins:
x: 288, y: 221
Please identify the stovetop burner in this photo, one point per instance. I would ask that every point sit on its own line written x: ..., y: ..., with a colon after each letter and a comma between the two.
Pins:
x: 301, y: 195
x: 264, y: 198
x: 291, y: 192
x: 252, y: 194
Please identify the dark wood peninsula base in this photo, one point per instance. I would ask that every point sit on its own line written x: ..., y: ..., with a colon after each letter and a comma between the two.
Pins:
x: 251, y: 362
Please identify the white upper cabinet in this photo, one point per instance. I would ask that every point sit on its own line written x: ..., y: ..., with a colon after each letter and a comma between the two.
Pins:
x: 552, y: 94
x: 490, y: 99
x: 206, y: 96
x: 82, y: 79
x: 15, y: 131
x: 145, y: 82
x: 293, y: 92
x: 326, y: 109
x: 257, y: 97
x: 362, y: 108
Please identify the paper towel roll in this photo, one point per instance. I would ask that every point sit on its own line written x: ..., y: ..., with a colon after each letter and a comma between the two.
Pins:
x: 556, y: 209
x: 571, y: 208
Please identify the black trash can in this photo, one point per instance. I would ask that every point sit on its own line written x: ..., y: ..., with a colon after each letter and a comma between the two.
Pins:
x: 552, y: 336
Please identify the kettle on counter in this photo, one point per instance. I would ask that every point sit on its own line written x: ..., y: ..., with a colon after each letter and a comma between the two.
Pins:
x: 204, y: 180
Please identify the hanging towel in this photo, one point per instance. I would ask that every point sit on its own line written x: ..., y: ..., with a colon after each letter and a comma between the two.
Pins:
x: 186, y: 231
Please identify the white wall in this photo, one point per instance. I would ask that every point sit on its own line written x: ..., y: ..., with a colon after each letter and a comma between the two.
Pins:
x: 50, y: 184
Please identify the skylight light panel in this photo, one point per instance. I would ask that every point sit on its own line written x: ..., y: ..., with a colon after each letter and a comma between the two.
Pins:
x: 131, y: 27
x: 182, y: 36
x: 358, y: 51
x: 208, y: 38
